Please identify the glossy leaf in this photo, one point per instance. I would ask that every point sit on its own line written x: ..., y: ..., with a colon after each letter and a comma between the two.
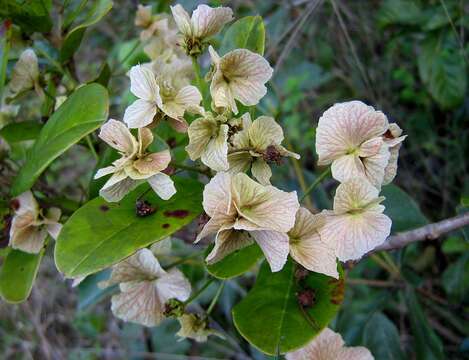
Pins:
x: 402, y: 209
x: 101, y: 234
x: 236, y: 263
x: 89, y: 293
x: 20, y: 131
x: 246, y: 33
x: 381, y: 337
x: 74, y: 36
x: 83, y: 112
x: 30, y: 15
x: 427, y: 344
x: 18, y: 274
x: 270, y: 317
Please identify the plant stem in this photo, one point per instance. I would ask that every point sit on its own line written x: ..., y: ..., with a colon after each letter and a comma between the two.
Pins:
x: 299, y: 174
x: 384, y: 265
x: 316, y: 182
x: 200, y: 82
x: 5, y: 52
x: 182, y: 260
x: 215, y: 299
x: 191, y: 168
x: 200, y: 291
x: 92, y: 149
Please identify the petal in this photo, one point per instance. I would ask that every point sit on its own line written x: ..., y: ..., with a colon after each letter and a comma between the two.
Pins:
x: 153, y: 163
x: 217, y: 195
x: 241, y: 138
x: 188, y: 97
x: 104, y: 171
x: 344, y: 127
x: 347, y: 167
x: 207, y: 21
x: 264, y: 132
x: 118, y: 136
x: 162, y: 247
x: 327, y: 345
x: 173, y: 285
x: 214, y: 225
x: 246, y: 72
x: 215, y: 155
x: 162, y: 185
x: 355, y: 353
x: 117, y: 187
x: 261, y: 171
x: 29, y: 239
x: 375, y: 166
x: 200, y: 132
x: 138, y: 302
x: 143, y: 16
x: 239, y: 162
x: 370, y: 147
x: 143, y: 83
x: 221, y: 92
x: 27, y: 205
x: 391, y: 169
x: 25, y: 73
x: 182, y: 19
x: 265, y: 206
x: 145, y: 139
x: 354, y: 194
x: 354, y: 235
x: 54, y: 230
x: 141, y: 266
x: 227, y: 242
x: 180, y: 125
x: 140, y: 113
x: 275, y: 247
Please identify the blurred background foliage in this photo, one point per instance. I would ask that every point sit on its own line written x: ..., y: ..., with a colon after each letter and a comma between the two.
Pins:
x: 408, y: 58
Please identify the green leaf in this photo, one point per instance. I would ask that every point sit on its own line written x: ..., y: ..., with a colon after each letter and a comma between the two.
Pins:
x: 236, y: 263
x: 21, y: 131
x: 443, y: 70
x: 402, y: 209
x: 402, y: 12
x: 74, y: 36
x: 83, y: 112
x: 270, y: 318
x: 427, y: 344
x: 100, y: 234
x: 30, y: 15
x: 89, y: 293
x: 246, y: 33
x: 18, y: 274
x: 455, y: 279
x: 381, y: 337
x: 104, y: 75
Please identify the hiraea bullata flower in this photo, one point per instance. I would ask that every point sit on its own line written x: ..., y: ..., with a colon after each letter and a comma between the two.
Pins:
x: 25, y: 74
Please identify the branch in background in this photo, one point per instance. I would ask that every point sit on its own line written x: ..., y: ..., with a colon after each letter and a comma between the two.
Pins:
x: 427, y: 232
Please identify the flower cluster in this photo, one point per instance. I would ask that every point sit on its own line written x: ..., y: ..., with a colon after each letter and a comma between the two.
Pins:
x: 357, y: 141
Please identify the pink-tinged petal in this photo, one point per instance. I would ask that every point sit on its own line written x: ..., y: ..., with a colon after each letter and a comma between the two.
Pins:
x: 214, y: 55
x: 153, y: 163
x: 180, y: 125
x: 173, y: 285
x: 217, y: 195
x: 355, y: 353
x: 187, y: 98
x: 261, y: 171
x: 200, y: 133
x: 54, y: 230
x: 104, y: 171
x: 217, y: 223
x: 25, y: 72
x: 347, y: 167
x: 215, y: 155
x: 118, y: 136
x: 370, y: 147
x: 264, y: 132
x: 29, y: 239
x: 207, y: 21
x: 27, y: 205
x: 306, y: 246
x: 241, y: 138
x: 221, y: 92
x: 275, y: 247
x: 353, y: 195
x: 375, y: 166
x: 145, y: 139
x: 391, y: 169
x: 326, y: 346
x: 51, y: 219
x: 344, y: 127
x: 143, y: 83
x: 182, y: 19
x: 143, y: 16
x: 117, y: 187
x: 162, y: 185
x: 265, y: 206
x: 354, y: 235
x: 227, y: 242
x: 140, y: 113
x: 139, y: 303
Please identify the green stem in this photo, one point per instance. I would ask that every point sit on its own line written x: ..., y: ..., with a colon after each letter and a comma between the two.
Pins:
x: 90, y: 145
x: 215, y: 299
x: 5, y: 52
x: 316, y: 182
x: 200, y: 291
x: 182, y: 261
x: 200, y: 82
x: 191, y: 168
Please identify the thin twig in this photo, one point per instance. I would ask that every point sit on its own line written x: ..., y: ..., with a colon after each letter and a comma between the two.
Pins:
x: 316, y: 182
x: 427, y: 232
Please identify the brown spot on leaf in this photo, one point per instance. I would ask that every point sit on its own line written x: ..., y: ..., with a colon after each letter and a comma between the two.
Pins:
x: 338, y: 292
x: 180, y: 213
x: 301, y: 273
x: 171, y: 142
x: 143, y: 208
x: 165, y: 226
x: 104, y: 208
x: 306, y: 297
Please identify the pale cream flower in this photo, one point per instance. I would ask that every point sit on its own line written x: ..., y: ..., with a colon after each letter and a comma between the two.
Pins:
x: 238, y: 75
x: 357, y: 224
x: 329, y: 345
x: 143, y: 17
x: 145, y: 287
x: 349, y: 135
x: 257, y: 145
x: 194, y: 327
x: 393, y: 139
x: 306, y: 246
x: 204, y: 23
x: 25, y: 74
x: 136, y: 165
x: 242, y: 211
x: 164, y: 93
x: 30, y: 226
x: 208, y: 140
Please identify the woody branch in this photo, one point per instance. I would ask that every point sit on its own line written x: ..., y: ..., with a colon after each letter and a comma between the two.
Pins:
x: 427, y: 232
